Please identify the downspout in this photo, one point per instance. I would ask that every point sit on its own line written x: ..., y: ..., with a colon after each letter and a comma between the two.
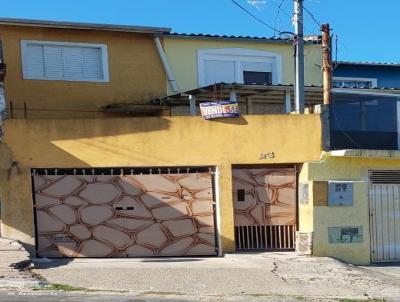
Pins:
x: 2, y: 93
x: 167, y: 68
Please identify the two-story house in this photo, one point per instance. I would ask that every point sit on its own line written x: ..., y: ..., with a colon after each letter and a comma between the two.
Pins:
x: 105, y: 155
x: 94, y: 181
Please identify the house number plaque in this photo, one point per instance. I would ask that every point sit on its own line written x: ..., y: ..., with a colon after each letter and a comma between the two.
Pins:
x: 267, y: 155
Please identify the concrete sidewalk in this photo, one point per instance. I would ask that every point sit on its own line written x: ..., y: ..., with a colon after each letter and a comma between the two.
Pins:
x: 15, y: 266
x: 235, y: 277
x: 247, y: 275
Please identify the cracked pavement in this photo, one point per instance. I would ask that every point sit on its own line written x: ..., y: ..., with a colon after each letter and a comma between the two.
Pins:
x: 15, y: 266
x: 252, y: 275
x: 235, y: 277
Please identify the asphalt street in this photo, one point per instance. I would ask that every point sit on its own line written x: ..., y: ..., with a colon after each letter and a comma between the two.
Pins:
x: 43, y: 296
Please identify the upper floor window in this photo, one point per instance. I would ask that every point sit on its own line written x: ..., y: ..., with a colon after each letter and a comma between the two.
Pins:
x: 44, y: 60
x: 238, y: 65
x: 257, y: 78
x: 349, y: 82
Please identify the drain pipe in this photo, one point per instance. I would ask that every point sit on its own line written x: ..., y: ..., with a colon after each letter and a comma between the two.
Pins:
x: 164, y: 61
x: 2, y: 93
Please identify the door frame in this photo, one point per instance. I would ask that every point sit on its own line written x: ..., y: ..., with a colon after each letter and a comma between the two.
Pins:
x: 297, y: 169
x: 370, y: 218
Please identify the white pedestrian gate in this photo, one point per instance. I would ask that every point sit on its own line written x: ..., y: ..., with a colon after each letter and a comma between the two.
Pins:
x: 384, y: 201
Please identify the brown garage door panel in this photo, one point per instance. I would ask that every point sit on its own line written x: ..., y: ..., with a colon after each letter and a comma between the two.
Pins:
x: 124, y: 216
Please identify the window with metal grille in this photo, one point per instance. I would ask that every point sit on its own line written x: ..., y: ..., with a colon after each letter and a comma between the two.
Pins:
x: 45, y: 60
x: 257, y: 78
x: 352, y: 82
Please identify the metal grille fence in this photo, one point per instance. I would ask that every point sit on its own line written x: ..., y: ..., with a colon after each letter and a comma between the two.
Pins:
x: 265, y: 237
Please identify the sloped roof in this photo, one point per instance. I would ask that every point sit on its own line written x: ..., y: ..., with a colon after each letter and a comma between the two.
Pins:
x: 308, y: 39
x: 267, y: 94
x: 367, y: 63
x: 87, y: 26
x: 313, y: 93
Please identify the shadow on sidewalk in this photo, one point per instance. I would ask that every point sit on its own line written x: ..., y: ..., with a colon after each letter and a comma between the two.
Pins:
x: 168, y: 260
x: 42, y: 263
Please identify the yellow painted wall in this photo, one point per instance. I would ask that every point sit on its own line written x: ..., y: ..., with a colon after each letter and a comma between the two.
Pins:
x: 306, y: 210
x: 135, y: 69
x: 157, y: 141
x: 182, y: 57
x: 345, y: 168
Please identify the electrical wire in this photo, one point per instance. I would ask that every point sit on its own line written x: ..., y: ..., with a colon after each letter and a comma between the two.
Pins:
x: 51, y: 110
x: 338, y: 41
x: 12, y: 108
x: 280, y: 9
x: 256, y: 18
x: 279, y: 6
x: 312, y: 16
x: 336, y: 64
x: 278, y: 13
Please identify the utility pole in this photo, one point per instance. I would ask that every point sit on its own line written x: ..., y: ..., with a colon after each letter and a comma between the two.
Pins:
x: 299, y: 56
x: 327, y: 84
x: 326, y: 63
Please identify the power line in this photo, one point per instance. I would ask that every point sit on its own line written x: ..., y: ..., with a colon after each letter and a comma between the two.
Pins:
x: 278, y: 13
x: 312, y: 16
x: 344, y: 47
x: 279, y: 6
x: 280, y: 9
x: 336, y: 53
x: 256, y: 18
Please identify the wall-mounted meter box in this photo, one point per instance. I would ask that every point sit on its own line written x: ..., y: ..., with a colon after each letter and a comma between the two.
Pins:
x: 340, y: 193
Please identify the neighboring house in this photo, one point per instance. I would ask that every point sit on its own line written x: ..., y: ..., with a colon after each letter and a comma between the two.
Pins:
x: 199, y: 60
x: 109, y: 184
x: 366, y: 75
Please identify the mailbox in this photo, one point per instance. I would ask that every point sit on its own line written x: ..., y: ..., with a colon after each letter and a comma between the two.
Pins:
x: 340, y: 193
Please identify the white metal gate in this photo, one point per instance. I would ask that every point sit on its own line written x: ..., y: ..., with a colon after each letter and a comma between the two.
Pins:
x: 384, y: 201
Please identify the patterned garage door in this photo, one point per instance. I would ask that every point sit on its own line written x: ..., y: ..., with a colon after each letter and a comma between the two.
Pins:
x: 134, y: 215
x: 265, y: 208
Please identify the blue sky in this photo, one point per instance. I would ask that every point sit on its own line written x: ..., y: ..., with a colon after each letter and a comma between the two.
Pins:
x: 366, y: 29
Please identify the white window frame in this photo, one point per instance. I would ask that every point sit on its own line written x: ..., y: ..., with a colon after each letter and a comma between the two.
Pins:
x: 238, y: 55
x: 102, y: 47
x: 374, y: 81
